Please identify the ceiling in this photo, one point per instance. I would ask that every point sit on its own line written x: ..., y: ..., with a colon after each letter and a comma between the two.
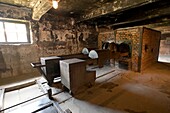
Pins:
x: 112, y: 13
x: 39, y: 7
x: 151, y: 12
x: 66, y: 7
x: 24, y: 3
x: 77, y: 7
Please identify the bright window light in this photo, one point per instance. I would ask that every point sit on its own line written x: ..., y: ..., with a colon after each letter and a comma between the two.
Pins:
x: 14, y: 32
x: 2, y: 36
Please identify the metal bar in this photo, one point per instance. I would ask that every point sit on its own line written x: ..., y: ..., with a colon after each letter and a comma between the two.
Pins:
x: 45, y: 90
x: 65, y: 100
x: 105, y: 74
x: 67, y: 111
x: 20, y: 86
x: 23, y: 102
x: 56, y: 105
x: 44, y: 107
x: 2, y: 98
x: 37, y: 64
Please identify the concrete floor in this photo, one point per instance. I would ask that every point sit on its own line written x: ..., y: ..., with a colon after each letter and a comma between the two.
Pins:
x: 129, y: 92
x: 122, y: 91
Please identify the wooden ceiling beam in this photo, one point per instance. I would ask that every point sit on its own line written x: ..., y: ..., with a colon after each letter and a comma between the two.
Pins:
x: 40, y: 8
x: 114, y: 7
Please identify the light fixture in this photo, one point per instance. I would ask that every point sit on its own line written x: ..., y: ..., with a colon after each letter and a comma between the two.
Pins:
x: 55, y: 3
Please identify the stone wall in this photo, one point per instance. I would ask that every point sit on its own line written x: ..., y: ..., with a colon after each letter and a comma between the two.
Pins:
x: 57, y: 35
x: 52, y: 35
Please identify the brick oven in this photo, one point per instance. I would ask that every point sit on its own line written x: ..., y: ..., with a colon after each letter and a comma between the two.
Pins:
x: 144, y: 45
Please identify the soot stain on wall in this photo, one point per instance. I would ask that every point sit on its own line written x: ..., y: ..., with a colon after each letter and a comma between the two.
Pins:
x: 2, y: 63
x: 60, y: 33
x: 52, y: 35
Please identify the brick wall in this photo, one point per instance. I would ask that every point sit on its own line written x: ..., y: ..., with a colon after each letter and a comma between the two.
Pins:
x: 150, y: 47
x: 131, y: 35
x: 134, y: 36
x: 105, y: 36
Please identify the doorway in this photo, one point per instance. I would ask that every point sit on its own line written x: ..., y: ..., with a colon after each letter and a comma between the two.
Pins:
x: 164, y: 49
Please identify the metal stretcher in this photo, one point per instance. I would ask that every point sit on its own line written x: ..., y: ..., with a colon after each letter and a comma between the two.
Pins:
x: 49, y: 68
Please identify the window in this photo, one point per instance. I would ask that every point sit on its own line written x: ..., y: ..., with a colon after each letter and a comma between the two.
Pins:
x: 12, y: 32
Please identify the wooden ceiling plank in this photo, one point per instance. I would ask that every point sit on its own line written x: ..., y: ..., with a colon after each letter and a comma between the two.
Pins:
x: 40, y: 8
x: 114, y: 7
